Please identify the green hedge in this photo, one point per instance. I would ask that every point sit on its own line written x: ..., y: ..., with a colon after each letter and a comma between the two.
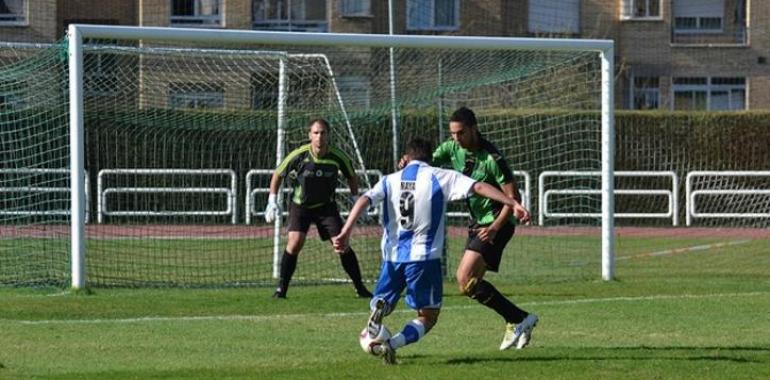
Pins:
x: 244, y: 140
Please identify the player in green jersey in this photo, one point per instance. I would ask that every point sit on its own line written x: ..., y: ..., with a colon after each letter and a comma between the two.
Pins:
x: 313, y: 170
x: 492, y: 224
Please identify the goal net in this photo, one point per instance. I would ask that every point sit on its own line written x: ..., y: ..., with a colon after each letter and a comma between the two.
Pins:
x: 181, y: 136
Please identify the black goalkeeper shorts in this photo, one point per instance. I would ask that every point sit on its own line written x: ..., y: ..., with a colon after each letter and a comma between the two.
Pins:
x: 326, y: 218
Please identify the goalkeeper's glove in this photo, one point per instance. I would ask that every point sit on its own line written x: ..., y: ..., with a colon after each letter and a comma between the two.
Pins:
x: 272, y: 211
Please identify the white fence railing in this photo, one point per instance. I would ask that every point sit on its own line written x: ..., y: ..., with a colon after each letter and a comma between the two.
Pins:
x: 691, y: 195
x: 229, y: 192
x: 251, y: 192
x: 544, y: 194
x: 526, y: 194
x: 671, y: 193
x: 40, y: 189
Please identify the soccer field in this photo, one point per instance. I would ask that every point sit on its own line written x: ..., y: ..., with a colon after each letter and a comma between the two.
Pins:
x: 682, y: 313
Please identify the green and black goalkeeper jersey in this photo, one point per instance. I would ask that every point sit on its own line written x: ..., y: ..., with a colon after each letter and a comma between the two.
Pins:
x: 485, y: 165
x: 314, y: 178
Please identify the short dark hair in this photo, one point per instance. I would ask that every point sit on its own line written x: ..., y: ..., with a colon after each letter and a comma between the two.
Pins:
x: 318, y: 120
x: 419, y: 149
x: 464, y: 115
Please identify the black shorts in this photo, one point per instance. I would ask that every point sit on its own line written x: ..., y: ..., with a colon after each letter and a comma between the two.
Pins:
x: 326, y: 218
x: 492, y: 253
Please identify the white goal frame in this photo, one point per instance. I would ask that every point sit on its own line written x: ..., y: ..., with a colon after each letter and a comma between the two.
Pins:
x: 77, y: 33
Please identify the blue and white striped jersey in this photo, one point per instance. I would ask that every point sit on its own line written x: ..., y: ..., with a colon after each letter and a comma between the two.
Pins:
x: 415, y: 203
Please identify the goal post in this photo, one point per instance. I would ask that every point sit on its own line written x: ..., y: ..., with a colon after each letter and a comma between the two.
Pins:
x: 602, y: 50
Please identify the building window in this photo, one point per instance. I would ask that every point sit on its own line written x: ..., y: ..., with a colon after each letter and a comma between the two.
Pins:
x: 640, y: 9
x: 205, y: 13
x: 713, y: 94
x: 12, y: 95
x: 433, y: 14
x: 100, y: 73
x: 356, y: 8
x: 304, y: 90
x: 698, y: 16
x: 355, y: 92
x: 264, y: 91
x: 645, y: 93
x: 554, y: 16
x: 196, y: 95
x: 290, y: 15
x: 13, y: 12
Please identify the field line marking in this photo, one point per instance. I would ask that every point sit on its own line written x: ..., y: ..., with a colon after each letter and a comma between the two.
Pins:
x: 365, y: 313
x: 675, y: 251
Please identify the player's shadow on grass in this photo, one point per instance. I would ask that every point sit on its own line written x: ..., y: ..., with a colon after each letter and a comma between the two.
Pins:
x: 705, y: 354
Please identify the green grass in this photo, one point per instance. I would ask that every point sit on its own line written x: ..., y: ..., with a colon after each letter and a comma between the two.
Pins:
x: 237, y: 262
x: 695, y: 315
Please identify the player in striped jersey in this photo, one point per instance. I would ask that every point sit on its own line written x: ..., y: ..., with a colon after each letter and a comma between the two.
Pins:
x: 313, y: 169
x: 413, y: 218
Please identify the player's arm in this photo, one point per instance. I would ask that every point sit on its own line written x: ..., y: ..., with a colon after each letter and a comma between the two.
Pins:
x: 275, y: 182
x: 346, y: 167
x: 375, y: 195
x: 442, y: 155
x: 504, y: 177
x: 504, y: 214
x: 353, y: 185
x: 488, y: 191
x: 273, y: 209
x: 341, y: 241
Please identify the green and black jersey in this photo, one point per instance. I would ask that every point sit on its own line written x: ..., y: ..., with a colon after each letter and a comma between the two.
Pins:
x: 485, y: 165
x: 314, y: 178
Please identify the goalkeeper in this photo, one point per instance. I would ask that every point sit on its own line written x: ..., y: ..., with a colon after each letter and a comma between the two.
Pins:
x: 415, y: 201
x: 492, y: 225
x: 313, y: 168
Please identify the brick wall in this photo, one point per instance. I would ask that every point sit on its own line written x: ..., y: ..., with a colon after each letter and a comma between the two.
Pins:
x: 154, y: 12
x: 40, y: 26
x: 109, y: 12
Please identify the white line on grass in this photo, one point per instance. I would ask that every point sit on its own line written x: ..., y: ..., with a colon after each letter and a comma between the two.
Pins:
x: 357, y: 314
x: 704, y: 247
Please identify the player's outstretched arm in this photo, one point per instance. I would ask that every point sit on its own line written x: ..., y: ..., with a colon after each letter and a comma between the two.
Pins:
x: 488, y: 191
x: 273, y: 210
x: 340, y: 242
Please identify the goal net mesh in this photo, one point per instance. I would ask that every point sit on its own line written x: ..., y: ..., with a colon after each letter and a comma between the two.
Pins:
x: 181, y: 141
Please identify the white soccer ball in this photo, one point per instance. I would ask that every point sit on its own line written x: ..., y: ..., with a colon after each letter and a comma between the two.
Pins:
x: 367, y: 342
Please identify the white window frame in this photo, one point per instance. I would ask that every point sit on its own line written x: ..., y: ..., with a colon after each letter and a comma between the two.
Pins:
x: 709, y: 88
x: 431, y: 4
x: 291, y: 24
x: 11, y: 100
x: 198, y: 20
x: 197, y: 97
x: 348, y: 84
x: 646, y: 92
x: 365, y: 7
x: 13, y: 19
x: 628, y: 8
x: 101, y: 71
x: 698, y: 29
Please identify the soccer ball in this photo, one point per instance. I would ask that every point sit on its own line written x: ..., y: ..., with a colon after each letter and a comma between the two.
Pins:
x: 367, y: 342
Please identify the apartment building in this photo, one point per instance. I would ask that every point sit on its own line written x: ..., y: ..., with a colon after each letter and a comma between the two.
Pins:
x: 694, y: 54
x: 45, y: 21
x: 671, y: 54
